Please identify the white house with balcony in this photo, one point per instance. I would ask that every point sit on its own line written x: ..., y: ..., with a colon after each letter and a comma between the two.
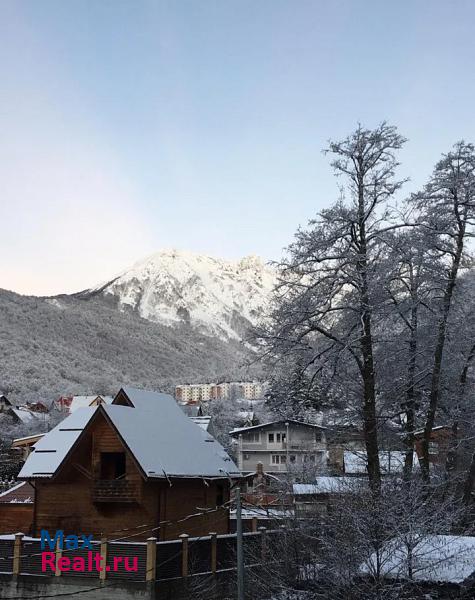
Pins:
x: 281, y: 446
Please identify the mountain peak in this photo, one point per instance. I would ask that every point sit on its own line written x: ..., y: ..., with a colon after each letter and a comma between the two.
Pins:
x: 216, y: 296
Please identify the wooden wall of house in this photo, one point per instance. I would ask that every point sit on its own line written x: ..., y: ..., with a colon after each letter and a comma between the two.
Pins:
x: 15, y: 517
x: 187, y: 496
x: 67, y: 502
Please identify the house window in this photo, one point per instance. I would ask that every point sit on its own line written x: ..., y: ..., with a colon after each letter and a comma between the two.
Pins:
x: 253, y: 437
x: 318, y: 436
x: 271, y: 438
x: 247, y: 456
x: 112, y: 465
x: 280, y: 437
x: 309, y: 458
x: 293, y: 458
x: 433, y: 448
x: 278, y: 459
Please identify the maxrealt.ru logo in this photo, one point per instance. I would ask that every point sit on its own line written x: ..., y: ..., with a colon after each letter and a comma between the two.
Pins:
x: 92, y: 562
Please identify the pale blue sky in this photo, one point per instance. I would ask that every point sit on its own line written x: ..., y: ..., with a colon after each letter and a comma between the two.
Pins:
x: 129, y: 126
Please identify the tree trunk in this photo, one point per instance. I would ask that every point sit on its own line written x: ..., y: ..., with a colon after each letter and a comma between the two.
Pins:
x: 468, y: 487
x: 366, y: 342
x: 410, y: 395
x: 438, y: 354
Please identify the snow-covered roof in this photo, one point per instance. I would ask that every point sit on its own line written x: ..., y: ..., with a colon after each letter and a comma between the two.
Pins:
x: 438, y: 428
x: 262, y: 513
x: 202, y: 422
x: 435, y: 558
x: 328, y: 485
x: 50, y: 451
x: 83, y: 401
x: 24, y: 415
x: 273, y: 423
x: 391, y: 461
x: 163, y: 440
x: 27, y: 440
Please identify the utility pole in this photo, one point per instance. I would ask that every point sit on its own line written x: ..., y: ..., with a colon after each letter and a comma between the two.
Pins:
x: 240, y: 548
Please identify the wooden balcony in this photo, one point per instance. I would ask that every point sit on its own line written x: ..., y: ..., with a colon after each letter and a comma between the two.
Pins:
x: 115, y: 490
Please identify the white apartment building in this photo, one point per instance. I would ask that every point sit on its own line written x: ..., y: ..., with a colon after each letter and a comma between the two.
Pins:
x: 227, y: 390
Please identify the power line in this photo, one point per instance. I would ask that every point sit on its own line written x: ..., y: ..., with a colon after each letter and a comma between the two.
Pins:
x: 110, y: 583
x: 156, y: 528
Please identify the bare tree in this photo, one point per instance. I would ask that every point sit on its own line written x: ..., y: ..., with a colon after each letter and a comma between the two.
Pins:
x: 330, y: 290
x: 447, y: 212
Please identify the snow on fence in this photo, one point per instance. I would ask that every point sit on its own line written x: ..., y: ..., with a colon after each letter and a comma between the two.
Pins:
x: 156, y: 561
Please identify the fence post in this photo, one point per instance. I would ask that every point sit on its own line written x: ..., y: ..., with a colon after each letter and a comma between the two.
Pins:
x: 151, y: 573
x: 59, y: 554
x: 103, y: 551
x: 17, y: 553
x: 254, y: 524
x: 184, y: 554
x: 263, y: 531
x: 214, y: 552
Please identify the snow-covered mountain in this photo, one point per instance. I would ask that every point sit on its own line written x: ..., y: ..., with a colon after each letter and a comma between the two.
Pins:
x: 218, y: 297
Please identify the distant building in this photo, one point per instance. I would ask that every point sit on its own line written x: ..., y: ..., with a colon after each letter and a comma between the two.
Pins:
x: 69, y: 404
x: 22, y: 414
x: 317, y: 498
x: 191, y: 393
x: 391, y: 462
x: 281, y: 446
x: 38, y: 407
x: 441, y: 439
x: 24, y: 445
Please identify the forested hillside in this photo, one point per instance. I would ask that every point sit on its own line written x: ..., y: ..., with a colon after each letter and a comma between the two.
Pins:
x: 68, y: 345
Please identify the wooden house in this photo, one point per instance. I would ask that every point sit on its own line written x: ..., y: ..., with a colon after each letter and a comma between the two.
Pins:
x: 138, y: 464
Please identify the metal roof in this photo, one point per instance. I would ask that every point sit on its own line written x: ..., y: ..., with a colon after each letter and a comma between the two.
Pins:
x: 163, y: 440
x: 52, y: 448
x: 279, y: 422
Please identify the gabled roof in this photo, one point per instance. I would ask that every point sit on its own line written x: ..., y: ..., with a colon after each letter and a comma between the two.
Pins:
x: 83, y: 401
x: 23, y: 414
x: 143, y: 399
x: 161, y: 438
x: 273, y: 423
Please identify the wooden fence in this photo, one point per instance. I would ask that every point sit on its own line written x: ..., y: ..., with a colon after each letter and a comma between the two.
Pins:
x: 156, y: 561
